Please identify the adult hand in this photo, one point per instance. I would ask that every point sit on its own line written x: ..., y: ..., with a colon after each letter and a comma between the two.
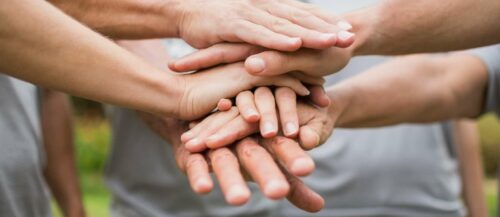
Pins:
x: 224, y: 128
x: 263, y: 62
x: 200, y: 92
x: 257, y: 164
x: 284, y: 25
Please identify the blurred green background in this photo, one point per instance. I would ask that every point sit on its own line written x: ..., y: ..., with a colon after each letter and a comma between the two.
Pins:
x: 92, y: 145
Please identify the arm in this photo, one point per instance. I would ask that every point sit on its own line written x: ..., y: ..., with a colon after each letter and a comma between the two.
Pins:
x: 411, y: 89
x: 60, y: 171
x: 271, y: 24
x: 50, y: 49
x: 466, y: 137
x: 401, y: 27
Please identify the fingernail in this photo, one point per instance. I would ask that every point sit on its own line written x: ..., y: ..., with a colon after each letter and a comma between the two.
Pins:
x: 290, y: 128
x: 302, y: 166
x: 257, y: 64
x: 327, y: 36
x: 276, y: 189
x: 294, y: 40
x: 193, y: 144
x: 251, y: 113
x: 343, y: 25
x: 237, y: 195
x: 345, y: 35
x: 268, y: 128
x: 187, y: 136
x: 203, y: 186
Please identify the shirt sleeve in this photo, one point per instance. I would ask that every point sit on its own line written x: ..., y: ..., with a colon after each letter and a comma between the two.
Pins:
x: 491, y: 58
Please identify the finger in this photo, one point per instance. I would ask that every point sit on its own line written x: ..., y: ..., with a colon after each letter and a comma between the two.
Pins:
x: 308, y: 79
x: 198, y: 174
x: 302, y: 196
x: 259, y: 35
x: 282, y: 81
x: 246, y: 106
x: 224, y: 105
x: 303, y: 18
x: 276, y: 63
x: 227, y: 171
x: 310, y: 38
x: 289, y: 152
x: 287, y: 105
x: 214, y: 55
x: 193, y: 124
x: 235, y: 130
x: 318, y: 96
x: 343, y: 40
x: 206, y: 128
x: 262, y: 168
x: 266, y: 105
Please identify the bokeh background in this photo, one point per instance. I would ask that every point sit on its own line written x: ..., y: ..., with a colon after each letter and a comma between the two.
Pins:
x: 92, y: 134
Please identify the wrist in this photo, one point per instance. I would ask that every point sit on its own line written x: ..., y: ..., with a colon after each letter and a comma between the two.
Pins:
x: 175, y: 12
x: 340, y: 96
x: 364, y: 25
x: 172, y: 88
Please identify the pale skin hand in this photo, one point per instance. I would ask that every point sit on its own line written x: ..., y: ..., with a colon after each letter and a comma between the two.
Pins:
x: 257, y: 165
x: 262, y: 62
x: 284, y: 25
x: 221, y: 129
x: 98, y: 69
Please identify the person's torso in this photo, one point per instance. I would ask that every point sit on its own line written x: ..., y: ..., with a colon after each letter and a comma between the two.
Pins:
x: 22, y: 188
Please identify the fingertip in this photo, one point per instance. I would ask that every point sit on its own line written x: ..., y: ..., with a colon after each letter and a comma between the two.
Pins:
x: 251, y: 116
x: 302, y: 166
x: 203, y: 186
x: 195, y: 145
x: 237, y: 195
x: 224, y: 105
x: 345, y: 39
x: 276, y: 189
x: 268, y: 130
x: 291, y: 129
x: 308, y: 138
x: 187, y: 136
x: 255, y: 65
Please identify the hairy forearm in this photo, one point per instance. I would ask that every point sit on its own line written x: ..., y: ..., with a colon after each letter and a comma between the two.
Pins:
x: 48, y: 48
x: 404, y: 27
x: 126, y: 19
x: 60, y: 171
x: 411, y: 89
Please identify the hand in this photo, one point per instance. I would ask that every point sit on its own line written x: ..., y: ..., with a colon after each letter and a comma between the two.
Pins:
x: 257, y: 164
x: 200, y: 92
x: 263, y: 62
x: 224, y: 128
x: 284, y: 25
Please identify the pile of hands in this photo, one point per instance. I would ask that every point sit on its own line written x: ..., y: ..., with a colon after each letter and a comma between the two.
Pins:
x: 254, y: 99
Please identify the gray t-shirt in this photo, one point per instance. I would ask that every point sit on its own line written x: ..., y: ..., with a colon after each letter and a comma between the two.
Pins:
x: 404, y: 170
x: 23, y: 191
x: 491, y: 57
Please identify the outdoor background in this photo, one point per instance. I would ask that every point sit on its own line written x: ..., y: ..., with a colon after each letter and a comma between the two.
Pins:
x: 92, y: 143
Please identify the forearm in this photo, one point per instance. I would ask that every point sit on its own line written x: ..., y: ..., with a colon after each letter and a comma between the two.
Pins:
x: 60, y: 171
x: 403, y: 27
x: 50, y: 49
x: 466, y: 139
x: 126, y: 19
x: 411, y: 89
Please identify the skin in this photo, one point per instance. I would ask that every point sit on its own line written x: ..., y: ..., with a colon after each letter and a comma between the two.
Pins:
x: 466, y: 137
x: 278, y: 24
x: 433, y: 88
x: 427, y: 26
x: 98, y: 69
x: 255, y: 156
x: 60, y: 170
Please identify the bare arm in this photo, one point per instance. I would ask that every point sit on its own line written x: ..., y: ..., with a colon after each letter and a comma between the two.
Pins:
x: 466, y: 137
x: 60, y: 172
x: 421, y: 88
x: 402, y: 27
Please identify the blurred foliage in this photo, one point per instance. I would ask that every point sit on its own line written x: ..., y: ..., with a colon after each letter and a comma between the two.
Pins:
x: 92, y: 144
x: 489, y: 128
